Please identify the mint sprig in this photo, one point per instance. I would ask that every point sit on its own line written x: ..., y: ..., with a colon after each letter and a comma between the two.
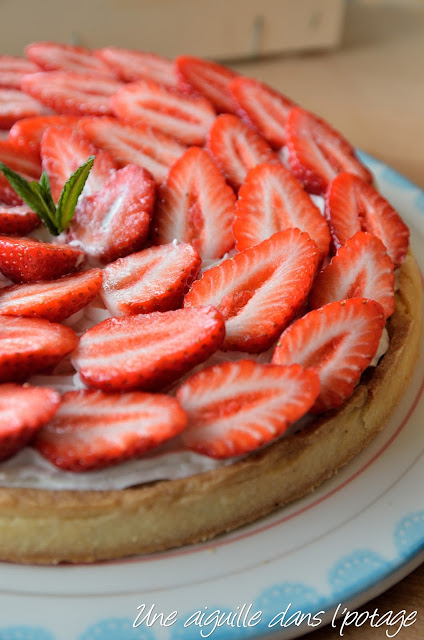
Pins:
x: 38, y: 195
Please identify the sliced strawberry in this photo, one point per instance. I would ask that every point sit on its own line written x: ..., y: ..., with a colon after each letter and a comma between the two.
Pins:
x: 27, y: 260
x: 52, y: 56
x: 196, y: 206
x: 26, y: 163
x: 147, y: 351
x: 209, y: 79
x: 71, y: 93
x: 23, y: 411
x: 155, y: 279
x: 17, y: 220
x: 354, y: 205
x: 236, y: 407
x: 263, y: 108
x: 54, y: 300
x: 27, y: 133
x: 63, y: 150
x: 237, y: 148
x: 130, y: 65
x: 32, y: 345
x: 12, y: 70
x: 15, y: 105
x: 271, y: 200
x: 260, y: 290
x: 185, y: 117
x: 339, y: 341
x: 115, y: 221
x: 141, y: 145
x: 93, y: 430
x: 318, y: 153
x: 360, y: 269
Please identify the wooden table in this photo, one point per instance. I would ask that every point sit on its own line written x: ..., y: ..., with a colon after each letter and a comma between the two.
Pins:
x: 372, y: 89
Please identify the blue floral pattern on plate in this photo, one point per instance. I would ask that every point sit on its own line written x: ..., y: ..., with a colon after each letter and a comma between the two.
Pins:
x: 24, y: 632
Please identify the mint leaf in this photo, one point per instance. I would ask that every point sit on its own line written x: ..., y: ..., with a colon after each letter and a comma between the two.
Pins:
x: 42, y: 208
x: 70, y: 193
x: 45, y: 186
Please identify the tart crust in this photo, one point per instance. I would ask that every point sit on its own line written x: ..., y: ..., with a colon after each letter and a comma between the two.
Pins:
x: 48, y: 527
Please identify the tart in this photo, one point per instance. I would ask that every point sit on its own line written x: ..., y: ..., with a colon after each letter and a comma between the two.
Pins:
x: 274, y: 465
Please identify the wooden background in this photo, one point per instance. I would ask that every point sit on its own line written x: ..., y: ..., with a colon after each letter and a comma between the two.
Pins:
x: 372, y: 88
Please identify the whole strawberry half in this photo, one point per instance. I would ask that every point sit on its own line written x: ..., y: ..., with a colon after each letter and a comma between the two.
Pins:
x: 115, y: 221
x: 260, y: 290
x: 32, y: 345
x: 131, y: 65
x: 235, y: 407
x: 196, y: 205
x: 54, y: 300
x: 155, y: 279
x: 339, y: 341
x: 360, y: 269
x: 237, y: 148
x: 141, y: 145
x: 208, y: 78
x: 147, y: 351
x: 353, y: 205
x: 93, y: 430
x: 27, y: 260
x: 23, y: 411
x: 53, y: 56
x: 318, y: 153
x: 272, y: 200
x: 178, y: 114
x: 17, y: 220
x: 63, y: 150
x: 263, y: 108
x: 71, y: 93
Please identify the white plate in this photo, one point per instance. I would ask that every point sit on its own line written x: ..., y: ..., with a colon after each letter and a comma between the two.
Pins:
x: 351, y: 539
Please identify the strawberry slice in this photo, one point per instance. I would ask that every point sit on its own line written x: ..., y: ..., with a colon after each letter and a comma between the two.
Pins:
x: 63, y: 150
x: 147, y: 351
x: 260, y: 290
x: 15, y: 105
x: 155, y: 279
x: 27, y: 260
x: 360, y: 269
x: 271, y: 200
x: 354, y: 205
x: 32, y: 345
x: 93, y: 430
x: 263, y: 108
x: 339, y: 341
x: 53, y: 56
x: 71, y: 93
x: 235, y: 407
x: 237, y: 148
x: 209, y: 79
x: 196, y: 206
x: 23, y: 411
x: 17, y: 220
x: 12, y: 70
x: 54, y: 300
x: 318, y: 153
x: 115, y: 221
x: 130, y: 65
x: 185, y: 117
x: 25, y: 162
x: 27, y: 133
x: 141, y: 145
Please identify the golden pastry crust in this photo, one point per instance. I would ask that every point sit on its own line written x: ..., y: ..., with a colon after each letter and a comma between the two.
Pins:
x: 48, y: 527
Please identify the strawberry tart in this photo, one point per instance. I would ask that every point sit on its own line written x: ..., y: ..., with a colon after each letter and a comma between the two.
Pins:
x: 206, y: 306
